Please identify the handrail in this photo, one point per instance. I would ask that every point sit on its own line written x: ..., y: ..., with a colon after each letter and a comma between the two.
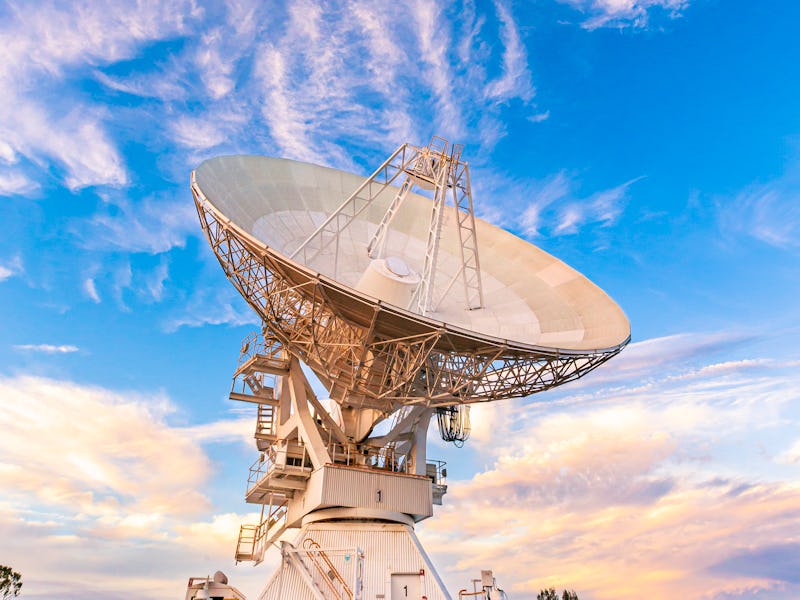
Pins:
x: 312, y: 548
x: 266, y: 422
x: 255, y: 344
x: 272, y: 515
x: 246, y: 544
x: 268, y: 459
x: 440, y: 474
x: 381, y: 458
x: 253, y: 536
x: 260, y: 467
x: 464, y: 592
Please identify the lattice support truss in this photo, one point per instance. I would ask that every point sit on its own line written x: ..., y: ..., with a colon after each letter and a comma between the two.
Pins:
x: 375, y: 248
x: 361, y: 364
x: 437, y: 167
x: 326, y: 237
x: 465, y: 220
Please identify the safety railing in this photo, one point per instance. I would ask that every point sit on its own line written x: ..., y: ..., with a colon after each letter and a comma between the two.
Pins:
x: 326, y: 571
x: 256, y: 344
x: 266, y: 423
x: 437, y: 471
x: 261, y: 467
x: 253, y: 539
x: 286, y: 459
x: 382, y: 458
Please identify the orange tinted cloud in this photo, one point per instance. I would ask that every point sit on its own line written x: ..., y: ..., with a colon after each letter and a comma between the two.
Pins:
x: 655, y: 487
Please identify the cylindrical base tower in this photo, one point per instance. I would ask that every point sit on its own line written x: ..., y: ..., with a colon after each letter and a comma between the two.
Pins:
x: 334, y: 556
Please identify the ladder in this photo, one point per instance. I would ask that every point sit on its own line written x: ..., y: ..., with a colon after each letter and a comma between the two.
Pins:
x: 465, y: 220
x: 254, y: 539
x: 423, y: 296
x: 266, y: 424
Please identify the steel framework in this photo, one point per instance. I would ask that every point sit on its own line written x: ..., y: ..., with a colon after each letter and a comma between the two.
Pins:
x: 437, y: 167
x: 373, y: 355
x: 329, y: 466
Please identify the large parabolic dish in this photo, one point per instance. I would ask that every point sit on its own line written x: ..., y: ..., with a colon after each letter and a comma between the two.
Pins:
x: 540, y: 323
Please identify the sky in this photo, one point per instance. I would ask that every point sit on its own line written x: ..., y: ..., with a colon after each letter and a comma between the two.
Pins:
x: 654, y: 145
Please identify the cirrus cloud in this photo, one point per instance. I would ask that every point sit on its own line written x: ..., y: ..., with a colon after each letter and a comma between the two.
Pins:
x: 47, y: 348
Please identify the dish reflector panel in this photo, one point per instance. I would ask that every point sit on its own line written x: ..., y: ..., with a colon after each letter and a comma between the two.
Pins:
x: 541, y: 322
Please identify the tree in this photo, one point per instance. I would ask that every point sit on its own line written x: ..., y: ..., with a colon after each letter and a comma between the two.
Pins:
x: 10, y: 582
x: 551, y: 594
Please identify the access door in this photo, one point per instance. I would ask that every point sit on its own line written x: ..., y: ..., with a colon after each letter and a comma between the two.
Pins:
x: 405, y: 586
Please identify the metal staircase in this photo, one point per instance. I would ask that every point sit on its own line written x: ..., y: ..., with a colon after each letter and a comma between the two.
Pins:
x: 261, y: 363
x: 334, y: 585
x: 255, y: 539
x: 278, y: 472
x: 318, y: 570
x: 266, y: 425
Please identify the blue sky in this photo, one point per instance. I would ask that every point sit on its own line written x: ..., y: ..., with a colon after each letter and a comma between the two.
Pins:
x: 652, y: 144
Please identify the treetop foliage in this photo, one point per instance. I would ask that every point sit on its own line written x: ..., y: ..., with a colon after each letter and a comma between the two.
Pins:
x: 551, y: 594
x: 10, y: 582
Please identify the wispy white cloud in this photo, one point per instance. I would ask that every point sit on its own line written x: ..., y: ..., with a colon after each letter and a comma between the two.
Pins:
x: 7, y: 154
x: 197, y: 133
x: 550, y: 204
x: 433, y: 42
x: 149, y: 85
x: 153, y: 226
x: 121, y: 281
x: 76, y: 139
x: 14, y: 183
x: 287, y: 121
x: 603, y: 208
x: 221, y: 306
x: 768, y: 212
x: 682, y: 354
x: 541, y: 195
x: 624, y: 13
x: 125, y: 278
x: 47, y: 348
x: 11, y: 268
x: 154, y: 282
x: 539, y: 117
x: 384, y: 54
x: 90, y: 288
x: 215, y: 69
x: 228, y: 430
x: 791, y: 455
x: 47, y: 120
x: 411, y: 76
x: 515, y: 81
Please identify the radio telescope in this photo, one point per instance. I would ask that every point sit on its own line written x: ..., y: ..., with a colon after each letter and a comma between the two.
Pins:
x: 405, y: 306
